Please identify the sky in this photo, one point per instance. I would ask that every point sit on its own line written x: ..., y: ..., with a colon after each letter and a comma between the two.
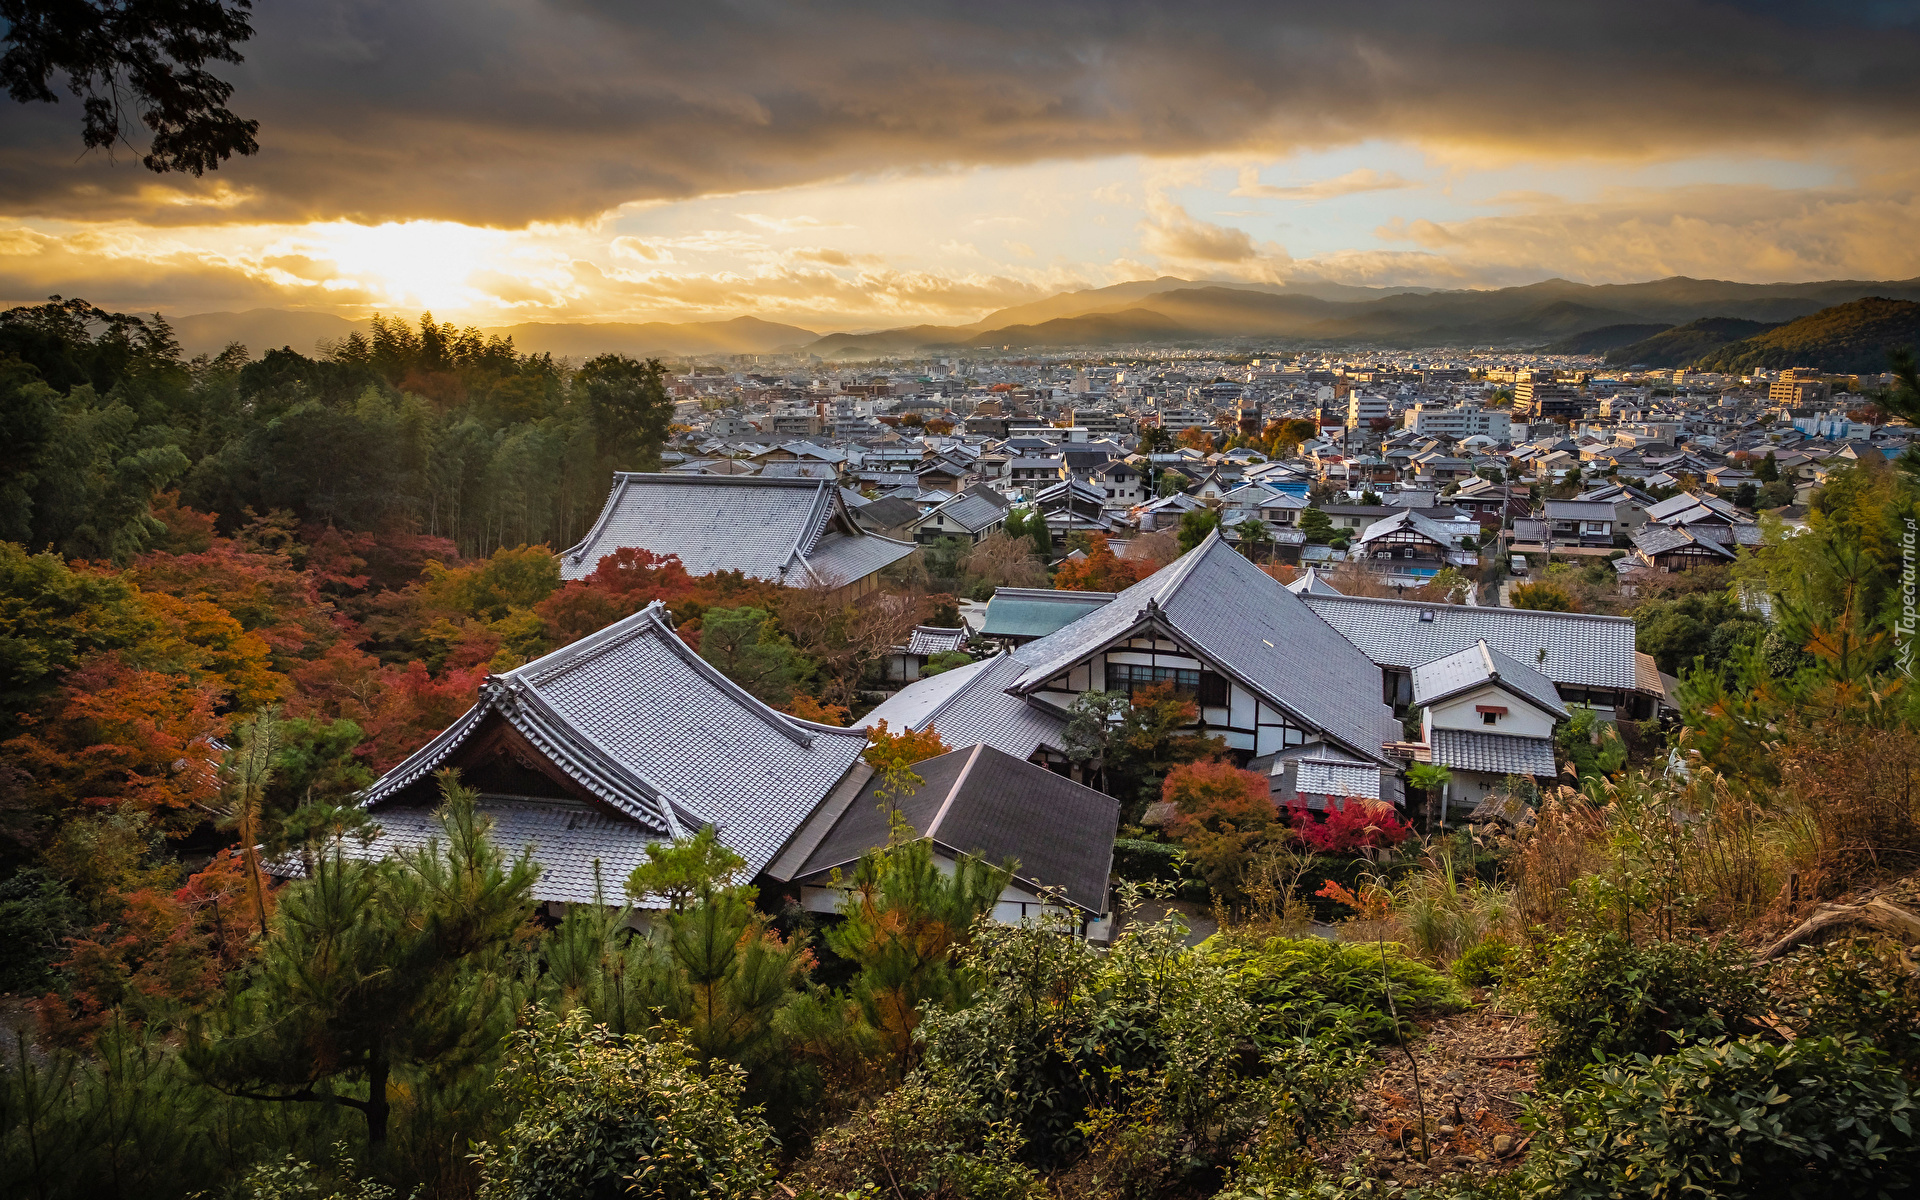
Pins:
x: 868, y: 165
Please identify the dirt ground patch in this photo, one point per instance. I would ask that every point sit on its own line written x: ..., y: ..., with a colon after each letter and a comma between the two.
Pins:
x: 1474, y: 1068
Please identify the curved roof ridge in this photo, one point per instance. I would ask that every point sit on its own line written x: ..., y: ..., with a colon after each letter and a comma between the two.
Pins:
x: 814, y: 527
x: 600, y: 522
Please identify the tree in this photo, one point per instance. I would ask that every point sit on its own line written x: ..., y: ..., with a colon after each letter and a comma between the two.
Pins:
x: 1195, y: 525
x: 1370, y: 498
x: 1589, y: 747
x: 747, y: 646
x: 1542, y: 597
x: 1128, y: 744
x: 1769, y: 469
x: 1317, y: 525
x: 907, y: 921
x: 686, y: 868
x: 1005, y: 559
x: 892, y: 756
x: 1195, y: 438
x: 1154, y: 440
x: 1433, y: 781
x: 136, y: 63
x: 1031, y: 524
x: 630, y: 408
x: 376, y: 967
x: 1099, y: 570
x: 1253, y: 536
x: 605, y: 1116
x: 1221, y: 815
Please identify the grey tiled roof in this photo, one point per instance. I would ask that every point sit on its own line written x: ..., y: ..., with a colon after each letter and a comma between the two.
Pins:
x: 1580, y: 510
x: 792, y: 531
x: 1480, y: 663
x: 970, y: 705
x: 1499, y: 753
x: 1658, y: 539
x: 565, y: 839
x: 639, y: 720
x: 1569, y: 648
x: 932, y: 639
x: 1249, y: 627
x: 977, y: 800
x: 970, y: 511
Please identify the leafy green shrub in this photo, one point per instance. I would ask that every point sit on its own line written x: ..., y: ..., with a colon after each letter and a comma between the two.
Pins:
x: 1820, y: 1117
x: 1855, y: 986
x: 1313, y: 987
x: 605, y: 1117
x: 1142, y: 862
x: 1146, y: 1042
x: 921, y: 1135
x: 1602, y: 997
x: 1485, y: 964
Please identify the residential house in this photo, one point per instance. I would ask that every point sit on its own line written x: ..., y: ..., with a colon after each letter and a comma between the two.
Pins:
x: 1590, y: 659
x: 1583, y: 523
x: 1413, y: 548
x: 1016, y: 616
x: 1123, y: 483
x: 973, y: 514
x: 1035, y: 471
x: 1485, y: 715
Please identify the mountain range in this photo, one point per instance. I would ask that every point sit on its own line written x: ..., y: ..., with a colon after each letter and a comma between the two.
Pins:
x: 1565, y: 317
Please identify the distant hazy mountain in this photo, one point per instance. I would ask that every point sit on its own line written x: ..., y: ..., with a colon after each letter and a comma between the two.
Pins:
x: 1173, y: 310
x: 1127, y: 295
x: 263, y: 329
x: 742, y: 335
x: 1683, y: 344
x: 1603, y: 339
x: 1850, y: 338
x: 1094, y: 329
x: 1547, y: 311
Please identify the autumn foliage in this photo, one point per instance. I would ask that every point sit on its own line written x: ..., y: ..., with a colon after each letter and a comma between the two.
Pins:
x: 1100, y: 569
x: 1349, y: 826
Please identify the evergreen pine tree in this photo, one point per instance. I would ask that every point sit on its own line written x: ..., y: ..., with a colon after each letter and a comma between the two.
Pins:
x: 374, y: 968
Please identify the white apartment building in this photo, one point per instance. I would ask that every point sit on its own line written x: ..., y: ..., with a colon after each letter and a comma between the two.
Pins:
x: 1363, y: 410
x: 1173, y: 420
x: 1460, y: 421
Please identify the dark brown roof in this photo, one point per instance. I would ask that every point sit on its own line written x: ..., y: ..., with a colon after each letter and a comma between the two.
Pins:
x: 993, y: 806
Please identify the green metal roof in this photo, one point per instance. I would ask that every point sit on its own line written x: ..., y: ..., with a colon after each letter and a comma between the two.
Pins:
x: 1037, y: 612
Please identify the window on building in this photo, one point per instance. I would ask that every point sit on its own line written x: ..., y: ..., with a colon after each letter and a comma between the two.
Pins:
x: 1488, y: 718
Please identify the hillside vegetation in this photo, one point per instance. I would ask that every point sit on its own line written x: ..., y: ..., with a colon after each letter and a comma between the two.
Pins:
x: 1603, y: 339
x: 1684, y: 343
x: 1845, y: 339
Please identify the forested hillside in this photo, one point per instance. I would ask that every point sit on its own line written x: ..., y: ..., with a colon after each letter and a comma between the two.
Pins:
x: 431, y: 428
x: 1683, y: 344
x: 1847, y: 339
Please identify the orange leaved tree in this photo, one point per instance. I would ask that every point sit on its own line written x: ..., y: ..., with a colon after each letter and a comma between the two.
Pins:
x: 1222, y: 815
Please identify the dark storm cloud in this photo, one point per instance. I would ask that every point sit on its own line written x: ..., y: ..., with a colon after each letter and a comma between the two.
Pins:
x: 507, y: 111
